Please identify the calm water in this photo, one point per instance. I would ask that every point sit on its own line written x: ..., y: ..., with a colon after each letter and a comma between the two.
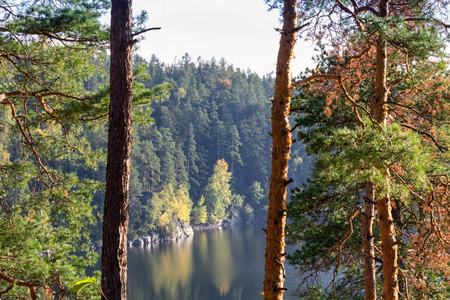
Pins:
x: 216, y: 264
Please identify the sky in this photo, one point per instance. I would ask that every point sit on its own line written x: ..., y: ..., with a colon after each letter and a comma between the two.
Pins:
x: 240, y: 31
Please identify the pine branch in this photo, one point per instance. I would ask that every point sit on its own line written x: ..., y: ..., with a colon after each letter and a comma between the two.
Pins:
x: 440, y: 147
x: 343, y: 89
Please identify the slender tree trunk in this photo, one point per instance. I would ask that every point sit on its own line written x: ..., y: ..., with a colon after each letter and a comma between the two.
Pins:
x: 379, y: 99
x: 115, y: 219
x: 385, y: 220
x: 367, y: 235
x: 276, y: 215
x: 388, y: 250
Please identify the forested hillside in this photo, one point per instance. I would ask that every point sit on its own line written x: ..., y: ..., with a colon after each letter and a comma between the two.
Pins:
x: 214, y: 118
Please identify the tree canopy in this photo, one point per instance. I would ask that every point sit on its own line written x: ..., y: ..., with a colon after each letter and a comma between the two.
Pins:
x: 374, y: 115
x: 46, y: 51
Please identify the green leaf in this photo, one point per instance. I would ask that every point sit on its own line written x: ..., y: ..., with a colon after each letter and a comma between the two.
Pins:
x: 82, y: 283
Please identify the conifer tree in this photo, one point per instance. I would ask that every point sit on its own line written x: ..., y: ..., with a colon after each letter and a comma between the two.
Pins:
x: 46, y: 53
x: 115, y: 219
x: 369, y: 86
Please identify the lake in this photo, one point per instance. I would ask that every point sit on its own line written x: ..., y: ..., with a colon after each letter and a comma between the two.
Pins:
x: 214, y: 264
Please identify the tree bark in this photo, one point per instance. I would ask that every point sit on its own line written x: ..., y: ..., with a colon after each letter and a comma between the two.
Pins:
x: 367, y: 236
x: 385, y: 220
x: 379, y: 99
x: 115, y: 219
x: 388, y: 250
x: 281, y: 133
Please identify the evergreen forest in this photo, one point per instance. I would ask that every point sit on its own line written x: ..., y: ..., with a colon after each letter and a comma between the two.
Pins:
x: 359, y: 144
x: 200, y: 151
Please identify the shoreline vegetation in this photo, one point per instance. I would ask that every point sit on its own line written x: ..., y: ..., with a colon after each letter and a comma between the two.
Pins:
x: 183, y: 230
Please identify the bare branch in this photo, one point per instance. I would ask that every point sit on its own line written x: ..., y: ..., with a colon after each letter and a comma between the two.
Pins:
x: 145, y: 30
x: 402, y: 273
x: 355, y: 17
x: 367, y: 8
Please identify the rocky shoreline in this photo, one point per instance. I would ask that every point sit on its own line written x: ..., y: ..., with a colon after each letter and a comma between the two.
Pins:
x: 184, y: 230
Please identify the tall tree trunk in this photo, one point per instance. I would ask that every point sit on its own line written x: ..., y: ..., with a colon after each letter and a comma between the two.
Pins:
x: 367, y: 236
x: 385, y: 220
x: 379, y: 99
x: 388, y: 249
x: 276, y: 215
x: 115, y: 219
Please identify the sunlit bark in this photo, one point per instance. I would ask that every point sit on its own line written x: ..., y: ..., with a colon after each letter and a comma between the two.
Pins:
x: 385, y: 220
x: 281, y: 133
x: 388, y: 249
x: 368, y: 246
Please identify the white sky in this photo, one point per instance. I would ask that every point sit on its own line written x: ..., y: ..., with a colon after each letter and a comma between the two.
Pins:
x: 241, y: 31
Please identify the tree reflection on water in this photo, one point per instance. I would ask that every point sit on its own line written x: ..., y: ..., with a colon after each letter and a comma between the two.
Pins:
x: 218, y: 264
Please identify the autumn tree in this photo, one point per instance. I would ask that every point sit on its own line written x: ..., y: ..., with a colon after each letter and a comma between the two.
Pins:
x: 200, y: 213
x: 170, y: 208
x: 367, y: 84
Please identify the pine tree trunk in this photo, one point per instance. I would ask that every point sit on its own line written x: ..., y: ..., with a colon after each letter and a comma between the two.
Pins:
x: 276, y: 216
x: 388, y: 250
x: 385, y: 220
x: 379, y: 99
x: 367, y: 235
x: 115, y: 219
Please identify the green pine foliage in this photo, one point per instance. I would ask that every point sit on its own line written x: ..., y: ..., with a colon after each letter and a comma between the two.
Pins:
x: 187, y: 117
x: 46, y: 54
x: 402, y: 158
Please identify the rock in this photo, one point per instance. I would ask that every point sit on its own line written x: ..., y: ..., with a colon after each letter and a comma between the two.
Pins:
x: 184, y: 230
x: 225, y: 223
x: 155, y: 238
x: 138, y: 242
x: 236, y: 220
x: 168, y: 238
x: 147, y: 240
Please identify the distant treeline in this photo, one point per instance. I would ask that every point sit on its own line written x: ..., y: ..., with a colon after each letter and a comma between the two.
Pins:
x: 215, y: 118
x: 201, y: 149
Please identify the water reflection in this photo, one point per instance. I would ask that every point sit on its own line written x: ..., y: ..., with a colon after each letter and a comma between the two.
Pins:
x: 220, y: 264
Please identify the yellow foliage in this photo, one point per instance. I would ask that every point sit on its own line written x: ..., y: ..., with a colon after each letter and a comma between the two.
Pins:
x: 164, y: 219
x: 30, y: 216
x: 225, y: 83
x: 4, y: 155
x: 51, y: 129
x: 175, y: 206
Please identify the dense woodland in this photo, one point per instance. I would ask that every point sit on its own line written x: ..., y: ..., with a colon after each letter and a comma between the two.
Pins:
x: 206, y: 138
x: 372, y: 116
x: 200, y: 150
